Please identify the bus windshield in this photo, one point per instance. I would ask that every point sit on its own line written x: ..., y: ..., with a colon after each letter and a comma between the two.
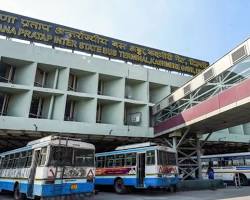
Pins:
x: 166, y: 158
x: 68, y: 156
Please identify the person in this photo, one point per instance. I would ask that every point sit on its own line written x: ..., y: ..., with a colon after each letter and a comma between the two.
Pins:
x: 210, y: 172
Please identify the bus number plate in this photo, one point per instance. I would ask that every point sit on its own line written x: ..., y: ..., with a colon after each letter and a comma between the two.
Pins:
x: 74, y: 187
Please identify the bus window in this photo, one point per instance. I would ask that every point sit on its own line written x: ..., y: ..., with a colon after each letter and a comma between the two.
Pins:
x: 162, y: 157
x: 150, y: 157
x: 28, y: 158
x: 42, y: 158
x: 171, y: 158
x: 5, y: 162
x: 10, y: 162
x: 237, y: 161
x: 247, y: 161
x: 215, y: 162
x: 130, y: 159
x: 22, y: 160
x: 61, y: 156
x: 110, y: 161
x: 204, y: 162
x: 100, y: 161
x: 84, y: 157
x: 119, y: 160
x: 15, y: 160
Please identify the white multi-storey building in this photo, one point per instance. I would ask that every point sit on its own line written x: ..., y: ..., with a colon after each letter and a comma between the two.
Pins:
x: 50, y: 91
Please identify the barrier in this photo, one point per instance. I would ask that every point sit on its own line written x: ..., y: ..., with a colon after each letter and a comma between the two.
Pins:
x: 200, y: 185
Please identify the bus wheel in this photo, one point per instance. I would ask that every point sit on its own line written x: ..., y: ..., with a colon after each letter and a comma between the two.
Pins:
x: 243, y: 180
x: 17, y: 194
x: 119, y: 186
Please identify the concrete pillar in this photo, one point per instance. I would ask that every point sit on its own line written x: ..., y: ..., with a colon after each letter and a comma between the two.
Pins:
x: 175, y: 148
x: 198, y: 150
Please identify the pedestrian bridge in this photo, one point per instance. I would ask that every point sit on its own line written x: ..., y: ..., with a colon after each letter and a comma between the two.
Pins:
x: 217, y: 98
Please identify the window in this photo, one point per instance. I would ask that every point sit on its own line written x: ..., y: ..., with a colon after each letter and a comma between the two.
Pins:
x: 215, y: 162
x: 130, y: 159
x: 41, y: 77
x: 110, y: 161
x: 69, y: 110
x: 7, y: 73
x: 4, y: 101
x: 28, y: 159
x: 99, y: 112
x: 15, y: 160
x: 5, y: 162
x: 150, y: 157
x: 67, y: 156
x: 100, y: 87
x: 162, y: 158
x: 247, y: 161
x: 166, y: 158
x: 22, y: 160
x: 36, y: 107
x: 10, y: 162
x: 42, y: 157
x: 119, y: 160
x: 61, y: 156
x: 84, y: 157
x: 72, y: 85
x: 100, y: 161
x: 205, y: 162
x: 238, y: 161
x: 171, y: 158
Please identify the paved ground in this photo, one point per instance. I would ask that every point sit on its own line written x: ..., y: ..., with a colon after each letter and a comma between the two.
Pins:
x: 222, y: 194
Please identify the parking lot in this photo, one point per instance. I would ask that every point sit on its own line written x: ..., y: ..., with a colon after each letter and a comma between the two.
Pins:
x: 229, y: 193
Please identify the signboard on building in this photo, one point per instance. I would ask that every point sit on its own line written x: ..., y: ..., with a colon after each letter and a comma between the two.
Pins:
x: 34, y: 30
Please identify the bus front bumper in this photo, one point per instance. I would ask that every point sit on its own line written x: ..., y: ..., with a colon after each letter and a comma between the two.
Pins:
x: 161, y: 182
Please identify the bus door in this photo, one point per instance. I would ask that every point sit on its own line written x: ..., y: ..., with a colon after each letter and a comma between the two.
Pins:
x: 31, y: 179
x: 140, y: 169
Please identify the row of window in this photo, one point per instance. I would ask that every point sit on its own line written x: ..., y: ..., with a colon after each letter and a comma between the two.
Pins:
x: 223, y: 162
x: 17, y: 160
x: 68, y: 156
x: 129, y: 159
x: 60, y: 156
x: 119, y: 160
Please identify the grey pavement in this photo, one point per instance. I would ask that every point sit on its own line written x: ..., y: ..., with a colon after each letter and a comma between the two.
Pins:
x: 229, y: 193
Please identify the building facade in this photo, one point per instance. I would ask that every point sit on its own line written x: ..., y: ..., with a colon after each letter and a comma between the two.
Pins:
x: 50, y: 91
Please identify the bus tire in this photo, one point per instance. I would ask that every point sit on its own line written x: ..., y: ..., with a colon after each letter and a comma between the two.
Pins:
x: 120, y: 188
x: 17, y: 194
x: 173, y: 188
x: 243, y: 180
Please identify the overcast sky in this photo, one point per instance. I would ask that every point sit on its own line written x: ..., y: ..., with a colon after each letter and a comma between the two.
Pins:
x: 203, y: 29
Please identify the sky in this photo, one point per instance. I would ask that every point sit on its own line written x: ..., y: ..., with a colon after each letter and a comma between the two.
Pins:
x: 202, y: 29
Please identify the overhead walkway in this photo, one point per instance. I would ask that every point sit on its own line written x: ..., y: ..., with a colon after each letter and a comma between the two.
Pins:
x: 215, y: 99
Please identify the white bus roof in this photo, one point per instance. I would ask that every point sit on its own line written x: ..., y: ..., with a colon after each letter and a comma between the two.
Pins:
x: 138, y: 145
x: 50, y: 138
x: 227, y: 155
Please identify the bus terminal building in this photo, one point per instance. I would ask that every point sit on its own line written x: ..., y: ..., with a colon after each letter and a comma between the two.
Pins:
x: 46, y: 90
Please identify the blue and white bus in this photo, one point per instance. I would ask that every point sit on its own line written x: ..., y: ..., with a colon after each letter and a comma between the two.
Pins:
x: 49, y: 167
x: 144, y: 165
x: 226, y: 166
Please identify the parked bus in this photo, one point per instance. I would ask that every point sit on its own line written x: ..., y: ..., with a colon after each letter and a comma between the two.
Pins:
x: 49, y: 167
x: 226, y: 166
x: 144, y: 165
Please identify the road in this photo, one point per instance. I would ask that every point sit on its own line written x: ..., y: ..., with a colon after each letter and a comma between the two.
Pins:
x: 230, y: 193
